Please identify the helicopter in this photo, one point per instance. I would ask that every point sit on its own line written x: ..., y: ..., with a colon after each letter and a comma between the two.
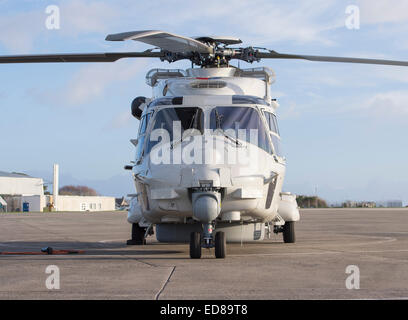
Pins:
x: 208, y: 165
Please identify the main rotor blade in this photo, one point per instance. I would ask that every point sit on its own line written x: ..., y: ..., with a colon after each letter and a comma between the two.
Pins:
x: 165, y: 40
x: 78, y: 57
x: 276, y: 55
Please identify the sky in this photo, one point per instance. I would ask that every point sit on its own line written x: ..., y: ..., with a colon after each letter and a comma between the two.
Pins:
x: 343, y: 126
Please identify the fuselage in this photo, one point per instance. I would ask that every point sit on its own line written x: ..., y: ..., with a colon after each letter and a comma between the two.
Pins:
x: 208, y: 130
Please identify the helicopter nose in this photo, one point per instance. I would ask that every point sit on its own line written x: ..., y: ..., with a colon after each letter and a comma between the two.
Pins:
x: 204, y: 150
x: 201, y: 150
x: 217, y: 150
x: 206, y: 205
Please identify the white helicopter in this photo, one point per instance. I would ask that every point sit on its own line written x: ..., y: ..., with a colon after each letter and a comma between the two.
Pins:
x: 208, y: 167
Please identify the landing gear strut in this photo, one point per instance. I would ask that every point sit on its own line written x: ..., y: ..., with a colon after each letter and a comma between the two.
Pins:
x: 138, y: 235
x: 206, y: 240
x: 208, y: 235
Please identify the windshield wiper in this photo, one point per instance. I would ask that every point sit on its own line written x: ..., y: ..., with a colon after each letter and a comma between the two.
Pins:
x: 218, y: 120
x: 191, y: 126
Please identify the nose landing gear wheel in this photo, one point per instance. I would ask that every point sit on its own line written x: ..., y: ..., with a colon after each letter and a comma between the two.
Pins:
x: 220, y: 245
x: 195, y: 245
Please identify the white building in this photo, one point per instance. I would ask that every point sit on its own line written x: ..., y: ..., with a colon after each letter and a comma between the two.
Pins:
x: 20, y: 192
x: 83, y: 203
x: 394, y: 204
x: 14, y: 184
x: 14, y: 187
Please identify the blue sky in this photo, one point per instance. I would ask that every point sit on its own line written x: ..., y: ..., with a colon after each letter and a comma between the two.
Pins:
x: 344, y: 127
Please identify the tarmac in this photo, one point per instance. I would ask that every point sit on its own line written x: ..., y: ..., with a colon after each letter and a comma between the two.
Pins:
x: 373, y: 241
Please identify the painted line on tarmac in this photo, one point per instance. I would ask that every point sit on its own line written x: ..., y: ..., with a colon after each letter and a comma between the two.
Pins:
x: 283, y: 254
x: 315, y: 253
x: 378, y: 251
x: 157, y: 296
x: 335, y: 244
x: 386, y: 239
x: 107, y: 241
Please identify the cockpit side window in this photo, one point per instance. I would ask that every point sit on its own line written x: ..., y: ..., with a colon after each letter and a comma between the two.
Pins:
x: 272, y: 122
x: 142, y: 134
x: 277, y: 145
x: 274, y: 132
x: 142, y: 128
x: 139, y: 148
x: 144, y: 122
x: 275, y: 121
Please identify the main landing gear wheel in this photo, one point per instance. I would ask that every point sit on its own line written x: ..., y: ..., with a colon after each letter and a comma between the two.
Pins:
x: 220, y: 245
x: 289, y: 232
x: 138, y: 235
x: 195, y: 245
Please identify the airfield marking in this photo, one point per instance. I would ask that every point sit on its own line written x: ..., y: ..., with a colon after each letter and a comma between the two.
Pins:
x: 387, y: 239
x: 156, y: 297
x: 368, y: 245
x: 312, y: 253
x: 107, y: 241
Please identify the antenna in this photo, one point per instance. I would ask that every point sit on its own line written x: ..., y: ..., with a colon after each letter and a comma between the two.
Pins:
x: 55, y: 186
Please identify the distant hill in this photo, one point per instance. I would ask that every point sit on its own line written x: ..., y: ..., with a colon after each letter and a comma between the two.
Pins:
x: 310, y: 202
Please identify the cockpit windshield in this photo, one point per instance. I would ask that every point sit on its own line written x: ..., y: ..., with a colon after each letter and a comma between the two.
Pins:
x: 180, y: 119
x: 237, y: 124
x: 242, y: 123
x: 189, y: 118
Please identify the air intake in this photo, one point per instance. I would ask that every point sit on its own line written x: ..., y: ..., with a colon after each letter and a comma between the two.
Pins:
x: 208, y: 84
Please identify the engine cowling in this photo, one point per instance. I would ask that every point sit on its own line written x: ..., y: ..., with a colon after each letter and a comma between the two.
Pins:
x: 135, y: 211
x: 135, y: 108
x: 288, y: 208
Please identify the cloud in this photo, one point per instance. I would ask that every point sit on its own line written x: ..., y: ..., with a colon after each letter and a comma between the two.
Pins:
x: 90, y: 82
x: 122, y: 120
x: 398, y: 74
x: 392, y: 105
x: 260, y: 22
x: 382, y: 11
x: 389, y: 104
x: 290, y: 111
x: 20, y: 32
x: 79, y: 16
